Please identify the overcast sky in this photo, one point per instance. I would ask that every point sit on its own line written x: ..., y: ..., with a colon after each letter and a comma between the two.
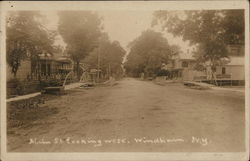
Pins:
x: 123, y: 26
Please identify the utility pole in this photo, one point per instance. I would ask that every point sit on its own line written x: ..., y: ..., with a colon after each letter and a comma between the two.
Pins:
x: 109, y: 71
x: 98, y: 65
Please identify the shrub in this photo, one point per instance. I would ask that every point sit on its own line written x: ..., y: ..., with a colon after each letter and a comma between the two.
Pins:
x: 50, y: 83
x: 163, y: 73
x: 17, y: 87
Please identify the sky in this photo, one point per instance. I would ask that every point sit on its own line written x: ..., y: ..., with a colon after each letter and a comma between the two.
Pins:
x: 123, y: 26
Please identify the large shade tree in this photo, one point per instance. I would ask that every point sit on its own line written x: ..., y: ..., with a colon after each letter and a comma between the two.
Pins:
x: 148, y: 53
x: 108, y: 57
x: 210, y: 30
x: 80, y: 30
x: 26, y: 38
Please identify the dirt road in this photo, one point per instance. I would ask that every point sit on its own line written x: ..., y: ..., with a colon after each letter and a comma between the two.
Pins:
x: 137, y: 115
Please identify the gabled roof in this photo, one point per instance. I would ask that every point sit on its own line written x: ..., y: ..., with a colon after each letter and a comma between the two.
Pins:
x: 63, y: 59
x: 45, y: 56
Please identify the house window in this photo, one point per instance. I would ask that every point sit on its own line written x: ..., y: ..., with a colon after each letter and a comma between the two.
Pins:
x: 223, y: 70
x: 235, y: 51
x: 184, y: 64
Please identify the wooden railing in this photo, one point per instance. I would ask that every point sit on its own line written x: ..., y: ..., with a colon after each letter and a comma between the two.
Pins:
x: 222, y: 76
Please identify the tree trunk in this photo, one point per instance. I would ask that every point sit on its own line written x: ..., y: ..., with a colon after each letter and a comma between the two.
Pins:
x: 77, y: 70
x: 15, y: 74
x: 213, y: 72
x: 14, y: 71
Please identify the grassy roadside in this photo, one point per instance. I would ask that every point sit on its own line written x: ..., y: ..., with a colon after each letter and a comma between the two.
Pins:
x: 25, y: 117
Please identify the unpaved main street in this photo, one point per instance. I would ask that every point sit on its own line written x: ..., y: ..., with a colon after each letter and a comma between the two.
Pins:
x: 138, y: 116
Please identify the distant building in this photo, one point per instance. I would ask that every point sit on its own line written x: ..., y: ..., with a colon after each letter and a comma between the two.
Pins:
x: 234, y: 69
x: 182, y: 67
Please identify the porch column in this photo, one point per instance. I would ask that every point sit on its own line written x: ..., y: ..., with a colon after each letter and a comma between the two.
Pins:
x: 46, y: 70
x: 39, y: 71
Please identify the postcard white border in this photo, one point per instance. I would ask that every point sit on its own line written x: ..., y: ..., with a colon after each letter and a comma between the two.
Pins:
x: 120, y: 5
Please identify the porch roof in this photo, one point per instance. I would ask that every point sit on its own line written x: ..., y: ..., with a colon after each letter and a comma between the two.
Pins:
x: 63, y: 60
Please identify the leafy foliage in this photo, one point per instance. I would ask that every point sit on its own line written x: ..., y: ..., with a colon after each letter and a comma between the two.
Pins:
x: 147, y: 53
x: 18, y: 87
x: 110, y: 57
x: 80, y: 30
x: 26, y: 36
x: 200, y: 26
x: 210, y: 30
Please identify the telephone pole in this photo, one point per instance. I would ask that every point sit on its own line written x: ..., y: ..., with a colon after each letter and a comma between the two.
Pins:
x: 98, y: 65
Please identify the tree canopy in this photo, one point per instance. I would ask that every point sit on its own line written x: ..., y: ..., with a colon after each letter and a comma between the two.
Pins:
x: 203, y: 25
x: 80, y: 30
x: 147, y: 53
x: 210, y: 30
x: 110, y: 56
x: 26, y: 36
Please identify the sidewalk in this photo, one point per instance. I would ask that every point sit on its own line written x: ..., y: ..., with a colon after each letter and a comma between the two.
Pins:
x: 73, y: 85
x: 27, y: 96
x: 210, y: 86
x: 242, y: 90
x: 192, y: 83
x: 23, y: 97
